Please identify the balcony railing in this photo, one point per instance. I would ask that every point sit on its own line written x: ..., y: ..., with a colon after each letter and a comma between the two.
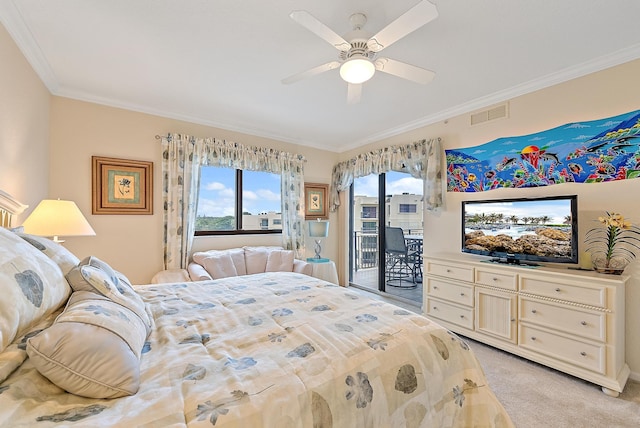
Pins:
x: 366, y: 247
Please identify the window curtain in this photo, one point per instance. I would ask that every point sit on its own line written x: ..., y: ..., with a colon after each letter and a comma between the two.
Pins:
x: 421, y: 159
x: 182, y: 158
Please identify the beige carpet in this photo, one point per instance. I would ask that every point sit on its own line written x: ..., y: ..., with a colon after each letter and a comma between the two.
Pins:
x: 537, y: 396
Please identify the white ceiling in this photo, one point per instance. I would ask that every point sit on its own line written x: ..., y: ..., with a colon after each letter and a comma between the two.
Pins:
x: 221, y: 62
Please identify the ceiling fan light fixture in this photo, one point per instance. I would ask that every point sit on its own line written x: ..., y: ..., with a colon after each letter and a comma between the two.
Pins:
x: 357, y: 70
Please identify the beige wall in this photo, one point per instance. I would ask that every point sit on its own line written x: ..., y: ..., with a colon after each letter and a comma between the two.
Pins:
x: 133, y: 243
x: 599, y: 95
x: 24, y: 128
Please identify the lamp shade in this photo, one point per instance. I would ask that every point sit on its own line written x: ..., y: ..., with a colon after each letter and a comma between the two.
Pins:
x: 318, y: 229
x: 357, y: 70
x: 53, y: 217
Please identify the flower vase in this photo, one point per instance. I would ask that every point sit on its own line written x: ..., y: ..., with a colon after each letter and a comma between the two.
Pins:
x: 611, y: 266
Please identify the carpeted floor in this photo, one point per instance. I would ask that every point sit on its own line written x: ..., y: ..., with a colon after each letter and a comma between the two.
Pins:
x: 536, y: 396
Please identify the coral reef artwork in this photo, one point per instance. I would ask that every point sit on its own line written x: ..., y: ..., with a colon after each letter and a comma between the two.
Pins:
x: 581, y: 152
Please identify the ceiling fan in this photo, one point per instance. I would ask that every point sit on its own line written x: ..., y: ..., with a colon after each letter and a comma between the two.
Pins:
x: 358, y: 60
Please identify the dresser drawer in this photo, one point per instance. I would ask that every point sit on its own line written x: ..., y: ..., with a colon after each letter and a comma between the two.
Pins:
x: 450, y: 313
x: 566, y: 318
x: 593, y: 296
x: 506, y: 280
x: 457, y: 293
x: 449, y: 270
x: 579, y: 353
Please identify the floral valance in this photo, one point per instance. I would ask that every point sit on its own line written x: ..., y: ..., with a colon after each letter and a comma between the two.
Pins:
x: 421, y: 159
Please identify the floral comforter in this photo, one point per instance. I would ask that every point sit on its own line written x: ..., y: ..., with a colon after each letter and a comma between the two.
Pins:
x: 276, y: 350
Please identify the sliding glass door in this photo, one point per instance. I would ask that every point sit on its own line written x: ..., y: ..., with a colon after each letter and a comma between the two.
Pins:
x: 395, y: 271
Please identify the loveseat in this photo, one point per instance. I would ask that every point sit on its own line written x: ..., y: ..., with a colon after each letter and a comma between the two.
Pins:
x: 216, y: 264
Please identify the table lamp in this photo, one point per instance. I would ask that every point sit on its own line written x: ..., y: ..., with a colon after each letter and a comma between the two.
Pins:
x: 318, y: 229
x: 53, y: 218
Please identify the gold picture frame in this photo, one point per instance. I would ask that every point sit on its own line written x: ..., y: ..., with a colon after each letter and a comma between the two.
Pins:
x: 316, y: 201
x: 121, y: 186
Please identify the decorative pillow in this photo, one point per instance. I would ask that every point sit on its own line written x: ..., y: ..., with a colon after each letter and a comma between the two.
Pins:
x: 280, y: 261
x: 96, y: 276
x: 237, y: 255
x: 197, y: 272
x: 220, y: 265
x: 56, y: 252
x: 93, y: 348
x: 31, y: 286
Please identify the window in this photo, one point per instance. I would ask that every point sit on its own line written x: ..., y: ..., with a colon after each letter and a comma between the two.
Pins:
x: 369, y: 226
x: 407, y: 208
x: 225, y: 192
x: 369, y: 212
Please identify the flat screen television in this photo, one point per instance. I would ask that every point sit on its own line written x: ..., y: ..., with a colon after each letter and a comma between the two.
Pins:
x: 522, y: 230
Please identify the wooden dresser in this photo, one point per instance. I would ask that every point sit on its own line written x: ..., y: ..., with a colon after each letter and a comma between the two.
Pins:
x: 570, y: 320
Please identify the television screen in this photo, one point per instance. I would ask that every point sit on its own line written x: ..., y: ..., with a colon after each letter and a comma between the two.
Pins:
x: 533, y: 230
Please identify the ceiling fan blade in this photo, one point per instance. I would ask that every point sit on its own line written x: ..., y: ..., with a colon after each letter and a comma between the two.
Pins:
x: 354, y: 92
x: 311, y: 72
x: 311, y: 23
x: 406, y: 71
x: 408, y: 22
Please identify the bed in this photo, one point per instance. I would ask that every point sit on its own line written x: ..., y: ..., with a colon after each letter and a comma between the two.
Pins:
x: 274, y: 349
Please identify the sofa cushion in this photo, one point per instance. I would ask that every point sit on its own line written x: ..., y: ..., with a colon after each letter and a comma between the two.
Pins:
x: 31, y: 286
x: 93, y: 349
x: 279, y: 261
x: 220, y: 265
x: 255, y: 259
x: 237, y: 255
x: 96, y: 276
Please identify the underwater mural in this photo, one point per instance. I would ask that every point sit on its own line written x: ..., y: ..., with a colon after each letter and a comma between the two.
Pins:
x: 582, y: 152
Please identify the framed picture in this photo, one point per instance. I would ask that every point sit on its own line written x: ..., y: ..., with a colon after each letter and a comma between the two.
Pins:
x: 316, y: 201
x: 121, y: 186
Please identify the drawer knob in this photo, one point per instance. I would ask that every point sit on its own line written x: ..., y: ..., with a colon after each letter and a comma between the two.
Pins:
x: 462, y: 294
x: 533, y: 338
x: 584, y: 354
x: 448, y: 270
x: 435, y: 308
x: 558, y: 290
x: 462, y: 316
x: 583, y: 322
x: 435, y: 288
x: 533, y: 311
x: 495, y: 279
x: 513, y: 320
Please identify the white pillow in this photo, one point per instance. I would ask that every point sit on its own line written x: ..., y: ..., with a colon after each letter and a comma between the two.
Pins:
x: 237, y: 255
x: 96, y: 276
x: 256, y: 259
x: 93, y: 349
x: 56, y: 252
x: 219, y: 265
x: 31, y: 286
x: 280, y: 261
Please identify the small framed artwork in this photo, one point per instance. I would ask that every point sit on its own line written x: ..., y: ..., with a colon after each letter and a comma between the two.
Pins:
x: 121, y: 186
x: 316, y: 201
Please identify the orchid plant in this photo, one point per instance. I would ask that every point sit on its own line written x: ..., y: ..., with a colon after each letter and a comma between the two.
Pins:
x: 612, y: 247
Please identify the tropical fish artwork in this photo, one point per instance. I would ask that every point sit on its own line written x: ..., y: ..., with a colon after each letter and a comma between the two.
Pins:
x: 582, y: 152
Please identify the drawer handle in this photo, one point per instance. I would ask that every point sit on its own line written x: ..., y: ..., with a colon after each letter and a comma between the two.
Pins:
x: 513, y: 320
x: 534, y: 311
x: 558, y: 290
x: 583, y: 322
x: 584, y: 354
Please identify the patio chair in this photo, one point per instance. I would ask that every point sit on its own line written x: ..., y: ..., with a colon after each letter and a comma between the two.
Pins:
x: 402, y: 262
